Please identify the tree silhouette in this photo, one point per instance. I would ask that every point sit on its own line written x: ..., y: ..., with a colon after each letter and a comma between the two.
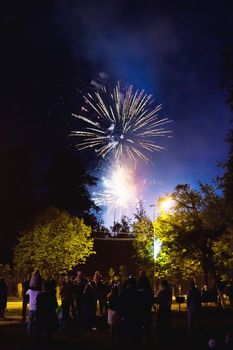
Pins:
x: 68, y: 186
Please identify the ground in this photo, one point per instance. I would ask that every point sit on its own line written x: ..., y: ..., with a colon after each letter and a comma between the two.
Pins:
x: 216, y: 324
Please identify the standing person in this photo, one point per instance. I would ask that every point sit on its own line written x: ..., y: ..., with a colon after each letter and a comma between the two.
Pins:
x: 88, y: 307
x: 71, y: 301
x: 32, y: 294
x: 35, y: 280
x: 194, y: 308
x: 99, y: 291
x: 66, y: 302
x: 79, y: 286
x: 129, y: 313
x: 164, y: 301
x: 25, y: 297
x: 3, y: 297
x: 229, y: 293
x: 46, y: 320
x: 113, y: 312
x: 146, y: 299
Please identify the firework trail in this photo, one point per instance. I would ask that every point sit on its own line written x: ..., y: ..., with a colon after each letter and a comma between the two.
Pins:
x: 120, y: 122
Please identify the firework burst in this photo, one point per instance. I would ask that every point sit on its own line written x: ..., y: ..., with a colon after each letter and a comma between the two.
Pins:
x: 119, y: 190
x: 121, y: 122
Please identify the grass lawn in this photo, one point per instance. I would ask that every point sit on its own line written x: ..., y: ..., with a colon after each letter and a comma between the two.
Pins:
x: 216, y: 324
x: 14, y: 307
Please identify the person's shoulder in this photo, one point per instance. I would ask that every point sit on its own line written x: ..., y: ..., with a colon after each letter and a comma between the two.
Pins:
x: 33, y: 292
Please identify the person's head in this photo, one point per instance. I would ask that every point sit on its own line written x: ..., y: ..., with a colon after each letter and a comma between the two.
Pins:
x: 46, y: 286
x: 36, y: 272
x: 79, y: 274
x: 192, y: 284
x: 143, y: 281
x: 131, y: 282
x: 53, y: 283
x: 97, y: 276
x: 213, y: 344
x: 142, y: 274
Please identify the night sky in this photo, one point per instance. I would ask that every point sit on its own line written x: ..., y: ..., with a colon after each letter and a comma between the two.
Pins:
x: 53, y: 51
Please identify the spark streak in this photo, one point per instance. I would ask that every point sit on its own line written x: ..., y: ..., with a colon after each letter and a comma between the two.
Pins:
x: 120, y: 122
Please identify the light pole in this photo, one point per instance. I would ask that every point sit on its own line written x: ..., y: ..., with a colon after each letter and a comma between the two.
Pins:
x: 156, y: 246
x: 164, y: 205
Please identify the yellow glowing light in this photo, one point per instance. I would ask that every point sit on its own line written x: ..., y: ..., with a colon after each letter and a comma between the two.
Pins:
x: 157, y: 247
x: 166, y: 204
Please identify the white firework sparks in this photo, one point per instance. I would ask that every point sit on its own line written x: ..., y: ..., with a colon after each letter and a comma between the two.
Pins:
x: 119, y: 190
x: 122, y: 122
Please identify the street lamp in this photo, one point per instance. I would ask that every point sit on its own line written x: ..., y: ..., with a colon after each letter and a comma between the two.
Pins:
x: 156, y: 247
x: 164, y: 205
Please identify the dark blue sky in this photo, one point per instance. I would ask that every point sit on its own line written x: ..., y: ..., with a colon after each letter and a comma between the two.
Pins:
x: 173, y: 49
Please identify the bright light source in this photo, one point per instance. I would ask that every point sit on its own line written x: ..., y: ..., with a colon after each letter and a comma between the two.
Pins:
x: 157, y: 247
x: 166, y: 204
x: 119, y: 190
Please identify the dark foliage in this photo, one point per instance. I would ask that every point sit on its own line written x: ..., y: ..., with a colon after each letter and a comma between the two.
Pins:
x: 226, y: 182
x: 68, y: 187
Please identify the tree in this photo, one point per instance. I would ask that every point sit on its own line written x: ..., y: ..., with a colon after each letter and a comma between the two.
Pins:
x: 144, y: 237
x: 68, y: 184
x: 189, y: 232
x: 122, y: 275
x: 100, y: 230
x: 223, y: 255
x: 226, y: 181
x: 121, y: 228
x: 171, y: 262
x: 222, y: 248
x: 54, y: 244
x: 5, y: 270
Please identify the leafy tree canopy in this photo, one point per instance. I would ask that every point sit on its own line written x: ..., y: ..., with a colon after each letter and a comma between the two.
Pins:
x: 54, y: 244
x: 190, y: 231
x: 5, y: 270
x: 144, y: 236
x: 226, y: 181
x: 122, y: 227
x: 100, y: 230
x: 194, y: 235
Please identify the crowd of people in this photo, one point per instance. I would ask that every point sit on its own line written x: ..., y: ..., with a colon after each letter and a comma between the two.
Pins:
x: 127, y: 306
